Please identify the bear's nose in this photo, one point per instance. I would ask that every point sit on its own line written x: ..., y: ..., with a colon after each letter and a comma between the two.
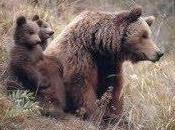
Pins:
x: 160, y: 53
x: 51, y: 33
x: 38, y: 41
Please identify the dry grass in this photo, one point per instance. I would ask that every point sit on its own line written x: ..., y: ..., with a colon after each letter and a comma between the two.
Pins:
x: 149, y: 88
x: 150, y: 94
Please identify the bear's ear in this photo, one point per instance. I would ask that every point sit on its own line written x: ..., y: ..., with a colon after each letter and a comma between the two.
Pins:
x: 21, y: 20
x: 35, y: 18
x: 149, y: 20
x: 39, y: 22
x: 134, y: 14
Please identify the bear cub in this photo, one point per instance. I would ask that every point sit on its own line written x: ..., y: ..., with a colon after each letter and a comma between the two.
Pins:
x: 45, y: 32
x: 26, y: 53
x: 38, y: 73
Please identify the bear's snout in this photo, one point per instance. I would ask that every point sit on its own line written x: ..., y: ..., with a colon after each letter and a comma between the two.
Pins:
x: 159, y: 54
x: 37, y: 40
x: 51, y: 33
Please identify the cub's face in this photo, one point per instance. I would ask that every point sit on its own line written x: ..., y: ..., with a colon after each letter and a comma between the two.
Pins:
x: 45, y: 29
x: 27, y: 32
x: 139, y: 42
x: 31, y: 33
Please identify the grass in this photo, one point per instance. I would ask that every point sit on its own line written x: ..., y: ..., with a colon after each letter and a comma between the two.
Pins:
x: 149, y: 94
x: 149, y: 88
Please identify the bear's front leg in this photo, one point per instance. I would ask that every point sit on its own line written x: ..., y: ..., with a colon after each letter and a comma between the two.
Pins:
x: 117, y: 103
x: 89, y: 92
x: 74, y: 84
x: 89, y: 100
x: 116, y: 106
x: 81, y: 92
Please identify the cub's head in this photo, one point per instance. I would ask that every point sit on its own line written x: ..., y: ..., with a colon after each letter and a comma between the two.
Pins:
x: 26, y: 32
x: 138, y: 43
x: 45, y: 29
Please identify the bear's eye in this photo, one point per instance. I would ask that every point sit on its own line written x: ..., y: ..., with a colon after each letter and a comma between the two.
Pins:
x: 45, y: 26
x: 31, y: 32
x: 39, y: 22
x: 145, y: 35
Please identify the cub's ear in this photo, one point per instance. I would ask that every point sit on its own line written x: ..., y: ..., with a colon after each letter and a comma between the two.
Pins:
x: 39, y: 22
x: 35, y: 18
x: 21, y: 20
x: 134, y: 14
x: 149, y: 20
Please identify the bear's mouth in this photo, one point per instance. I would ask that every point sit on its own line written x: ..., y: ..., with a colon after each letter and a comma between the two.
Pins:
x: 47, y: 35
x: 142, y: 57
x: 138, y: 57
x: 135, y: 56
x: 155, y: 60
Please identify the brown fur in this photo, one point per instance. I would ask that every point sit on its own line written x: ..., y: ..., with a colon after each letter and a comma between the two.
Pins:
x: 37, y: 72
x: 54, y: 94
x: 22, y: 63
x: 45, y: 31
x: 92, y: 50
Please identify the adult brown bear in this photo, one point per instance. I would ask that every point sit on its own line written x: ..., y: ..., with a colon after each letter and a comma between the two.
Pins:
x: 94, y: 46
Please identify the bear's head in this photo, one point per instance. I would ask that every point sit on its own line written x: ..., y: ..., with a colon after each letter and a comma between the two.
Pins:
x: 138, y: 44
x: 26, y: 32
x: 45, y: 29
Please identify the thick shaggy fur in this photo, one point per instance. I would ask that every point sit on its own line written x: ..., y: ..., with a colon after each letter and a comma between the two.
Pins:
x: 52, y: 97
x: 39, y: 73
x: 92, y: 50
